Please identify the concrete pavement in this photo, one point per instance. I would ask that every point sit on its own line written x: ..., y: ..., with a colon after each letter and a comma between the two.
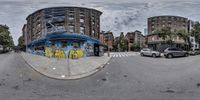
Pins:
x: 123, y: 78
x: 65, y: 68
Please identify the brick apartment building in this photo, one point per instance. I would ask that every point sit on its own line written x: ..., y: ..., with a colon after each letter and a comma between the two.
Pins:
x: 63, y: 27
x: 136, y: 38
x: 174, y: 23
x: 107, y: 39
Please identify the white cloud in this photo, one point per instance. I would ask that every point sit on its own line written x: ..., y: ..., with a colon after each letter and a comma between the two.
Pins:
x: 118, y: 15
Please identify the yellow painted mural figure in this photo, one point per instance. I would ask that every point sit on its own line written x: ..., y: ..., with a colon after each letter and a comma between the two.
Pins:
x: 75, y: 54
x: 60, y: 53
x: 48, y: 52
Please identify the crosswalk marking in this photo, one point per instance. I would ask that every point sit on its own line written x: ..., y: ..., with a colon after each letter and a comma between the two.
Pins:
x: 124, y: 54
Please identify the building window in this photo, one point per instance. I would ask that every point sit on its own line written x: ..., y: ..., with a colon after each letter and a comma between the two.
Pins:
x: 60, y: 28
x: 93, y: 32
x: 82, y: 30
x: 82, y: 20
x: 76, y: 45
x: 71, y: 28
x: 82, y: 10
x: 71, y: 17
x: 71, y: 10
x: 93, y: 17
x: 63, y: 44
x: 93, y: 22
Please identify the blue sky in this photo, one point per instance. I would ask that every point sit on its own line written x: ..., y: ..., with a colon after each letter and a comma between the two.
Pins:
x: 118, y: 15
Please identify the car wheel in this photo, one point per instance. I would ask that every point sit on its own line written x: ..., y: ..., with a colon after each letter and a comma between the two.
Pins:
x: 142, y: 54
x: 186, y: 55
x: 169, y: 56
x: 154, y: 55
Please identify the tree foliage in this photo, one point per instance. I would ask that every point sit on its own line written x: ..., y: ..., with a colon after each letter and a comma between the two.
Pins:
x: 5, y: 37
x: 196, y: 32
x: 20, y: 41
x: 167, y: 35
x: 136, y: 46
x: 120, y: 43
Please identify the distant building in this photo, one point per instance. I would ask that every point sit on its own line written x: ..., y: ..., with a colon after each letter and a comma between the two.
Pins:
x: 24, y: 35
x: 136, y: 38
x: 194, y: 44
x: 145, y: 32
x: 174, y: 23
x: 107, y: 38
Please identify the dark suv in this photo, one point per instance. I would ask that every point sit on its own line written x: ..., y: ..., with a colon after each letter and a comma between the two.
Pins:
x: 175, y: 52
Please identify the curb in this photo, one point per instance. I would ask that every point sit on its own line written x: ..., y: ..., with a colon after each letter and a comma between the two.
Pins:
x: 74, y: 77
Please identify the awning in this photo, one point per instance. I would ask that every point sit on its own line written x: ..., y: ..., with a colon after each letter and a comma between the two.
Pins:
x: 69, y: 36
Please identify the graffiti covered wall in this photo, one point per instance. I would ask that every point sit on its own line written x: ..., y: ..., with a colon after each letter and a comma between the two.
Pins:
x: 75, y: 54
x: 59, y: 53
x: 48, y: 52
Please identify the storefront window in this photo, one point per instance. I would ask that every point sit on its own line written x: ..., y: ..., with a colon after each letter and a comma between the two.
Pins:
x: 82, y: 30
x: 71, y: 28
x: 64, y: 44
x: 76, y: 45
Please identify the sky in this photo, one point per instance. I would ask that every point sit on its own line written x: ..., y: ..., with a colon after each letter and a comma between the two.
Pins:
x: 118, y: 15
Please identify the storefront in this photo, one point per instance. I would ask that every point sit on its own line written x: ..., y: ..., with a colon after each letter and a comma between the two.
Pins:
x: 66, y: 45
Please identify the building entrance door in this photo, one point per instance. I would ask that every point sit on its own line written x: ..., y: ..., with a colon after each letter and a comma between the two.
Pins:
x: 96, y: 49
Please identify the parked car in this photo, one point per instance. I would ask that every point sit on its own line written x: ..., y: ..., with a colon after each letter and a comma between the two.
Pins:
x: 149, y: 52
x: 175, y: 52
x: 194, y: 52
x: 1, y: 48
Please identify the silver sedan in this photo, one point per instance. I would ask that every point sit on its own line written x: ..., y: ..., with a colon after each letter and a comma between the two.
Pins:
x: 149, y: 52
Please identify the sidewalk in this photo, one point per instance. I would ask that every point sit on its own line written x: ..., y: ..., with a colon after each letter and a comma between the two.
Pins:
x: 65, y: 68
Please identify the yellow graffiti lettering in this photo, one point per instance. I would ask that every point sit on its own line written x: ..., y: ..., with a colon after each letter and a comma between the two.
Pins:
x: 48, y: 52
x: 75, y: 54
x: 60, y: 53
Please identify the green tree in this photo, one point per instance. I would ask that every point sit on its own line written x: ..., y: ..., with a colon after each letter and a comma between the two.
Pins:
x: 196, y: 32
x: 115, y: 44
x: 136, y: 46
x: 5, y: 36
x: 185, y: 36
x: 166, y: 34
x: 21, y: 42
x: 123, y: 42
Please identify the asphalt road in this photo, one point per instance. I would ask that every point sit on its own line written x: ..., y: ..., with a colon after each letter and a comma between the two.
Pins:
x: 123, y: 78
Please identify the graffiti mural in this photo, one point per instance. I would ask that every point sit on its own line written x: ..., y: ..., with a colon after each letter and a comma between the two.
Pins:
x: 48, y: 52
x: 60, y: 53
x: 75, y: 54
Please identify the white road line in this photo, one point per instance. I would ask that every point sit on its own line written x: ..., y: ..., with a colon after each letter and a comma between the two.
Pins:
x: 124, y: 54
x: 133, y: 54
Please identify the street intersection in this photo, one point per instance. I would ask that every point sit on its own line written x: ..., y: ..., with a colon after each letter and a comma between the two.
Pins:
x: 130, y: 77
